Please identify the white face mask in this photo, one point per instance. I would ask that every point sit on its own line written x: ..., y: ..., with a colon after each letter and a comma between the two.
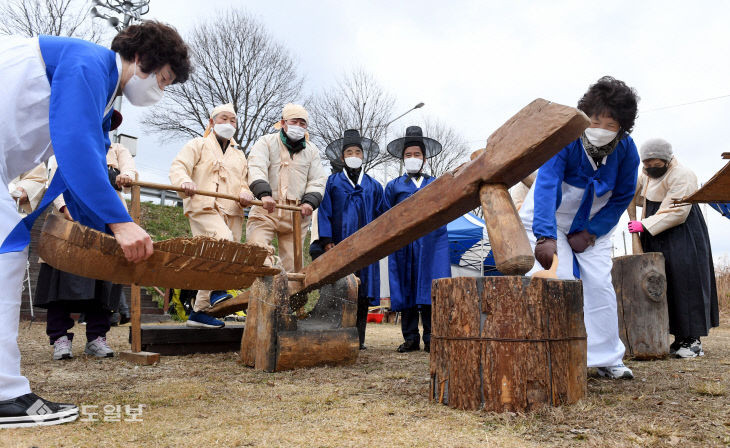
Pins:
x: 142, y: 91
x: 224, y: 130
x: 353, y: 162
x: 599, y: 136
x: 413, y: 164
x: 295, y: 133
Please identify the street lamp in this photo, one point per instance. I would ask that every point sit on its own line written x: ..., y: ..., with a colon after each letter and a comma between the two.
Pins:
x: 128, y: 9
x: 417, y: 106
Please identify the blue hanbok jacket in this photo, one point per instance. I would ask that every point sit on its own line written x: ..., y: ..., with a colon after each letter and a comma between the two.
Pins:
x: 84, y: 78
x: 571, y: 171
x: 344, y: 210
x: 412, y: 268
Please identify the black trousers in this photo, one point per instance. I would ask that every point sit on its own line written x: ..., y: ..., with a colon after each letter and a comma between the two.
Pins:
x: 58, y: 320
x: 362, y: 316
x: 409, y: 323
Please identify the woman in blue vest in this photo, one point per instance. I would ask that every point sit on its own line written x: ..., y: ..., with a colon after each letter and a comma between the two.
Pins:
x: 351, y: 200
x: 574, y: 205
x: 412, y: 268
x: 56, y: 99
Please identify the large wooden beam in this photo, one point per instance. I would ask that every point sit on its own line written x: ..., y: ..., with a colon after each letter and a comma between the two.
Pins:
x: 521, y: 145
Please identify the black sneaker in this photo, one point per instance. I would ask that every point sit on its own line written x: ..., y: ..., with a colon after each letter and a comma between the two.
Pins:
x: 124, y: 319
x: 31, y: 410
x: 409, y: 346
x: 362, y: 347
x: 690, y: 348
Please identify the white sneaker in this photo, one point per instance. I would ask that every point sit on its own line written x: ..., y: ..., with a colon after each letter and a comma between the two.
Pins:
x: 62, y: 349
x: 99, y: 348
x: 690, y: 348
x: 616, y: 372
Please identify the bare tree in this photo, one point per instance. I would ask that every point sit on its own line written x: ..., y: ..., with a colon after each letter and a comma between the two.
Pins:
x: 236, y: 61
x: 53, y: 17
x: 357, y: 101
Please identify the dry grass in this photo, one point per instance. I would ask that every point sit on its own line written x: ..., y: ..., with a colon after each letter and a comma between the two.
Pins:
x: 381, y: 401
x: 722, y: 275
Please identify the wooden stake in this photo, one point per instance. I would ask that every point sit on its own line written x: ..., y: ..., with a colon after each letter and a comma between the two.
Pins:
x: 137, y: 356
x: 507, y: 236
x: 297, y: 232
x: 636, y: 248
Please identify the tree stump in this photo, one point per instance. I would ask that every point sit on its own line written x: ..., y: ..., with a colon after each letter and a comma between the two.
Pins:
x: 641, y: 294
x: 507, y: 343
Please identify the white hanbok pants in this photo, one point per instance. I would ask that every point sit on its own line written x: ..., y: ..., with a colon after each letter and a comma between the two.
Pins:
x: 24, y: 143
x: 600, y: 312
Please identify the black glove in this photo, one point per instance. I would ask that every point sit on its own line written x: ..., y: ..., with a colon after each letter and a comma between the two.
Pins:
x: 580, y: 241
x: 544, y: 251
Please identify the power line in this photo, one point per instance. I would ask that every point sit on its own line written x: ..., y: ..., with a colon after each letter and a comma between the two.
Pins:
x: 686, y: 104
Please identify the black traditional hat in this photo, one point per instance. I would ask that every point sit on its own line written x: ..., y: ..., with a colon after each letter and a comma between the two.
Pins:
x: 351, y: 137
x: 414, y: 137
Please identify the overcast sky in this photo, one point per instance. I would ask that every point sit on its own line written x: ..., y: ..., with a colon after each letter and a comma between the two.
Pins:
x: 476, y: 63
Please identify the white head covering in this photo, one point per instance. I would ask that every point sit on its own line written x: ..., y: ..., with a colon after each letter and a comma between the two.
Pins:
x: 217, y: 110
x: 656, y: 148
x: 292, y: 111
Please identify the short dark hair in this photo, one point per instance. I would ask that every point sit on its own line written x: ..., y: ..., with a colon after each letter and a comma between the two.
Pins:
x: 156, y: 44
x: 609, y: 96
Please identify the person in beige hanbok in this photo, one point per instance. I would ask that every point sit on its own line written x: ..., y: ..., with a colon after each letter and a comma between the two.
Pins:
x: 213, y: 162
x: 284, y: 167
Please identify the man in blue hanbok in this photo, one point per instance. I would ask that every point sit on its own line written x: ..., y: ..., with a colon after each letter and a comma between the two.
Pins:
x: 412, y: 268
x: 574, y: 205
x: 56, y: 98
x: 351, y: 200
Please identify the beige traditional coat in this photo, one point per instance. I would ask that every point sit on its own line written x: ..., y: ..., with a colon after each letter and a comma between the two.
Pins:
x: 34, y: 183
x: 120, y: 158
x: 203, y: 162
x: 290, y: 179
x: 679, y: 181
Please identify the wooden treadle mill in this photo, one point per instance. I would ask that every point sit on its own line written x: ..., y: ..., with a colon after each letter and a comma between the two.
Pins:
x: 507, y: 343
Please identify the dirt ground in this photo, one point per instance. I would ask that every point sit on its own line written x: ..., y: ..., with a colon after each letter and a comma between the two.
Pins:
x: 212, y: 400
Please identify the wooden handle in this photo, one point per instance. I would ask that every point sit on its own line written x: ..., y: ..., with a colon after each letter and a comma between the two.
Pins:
x: 636, y: 248
x: 213, y: 194
x: 507, y: 236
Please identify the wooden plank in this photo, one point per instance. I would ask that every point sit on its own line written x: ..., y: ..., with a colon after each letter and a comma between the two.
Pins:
x: 140, y: 358
x: 526, y: 141
x: 717, y: 189
x: 175, y: 334
x: 230, y: 306
x: 507, y: 236
x: 299, y: 349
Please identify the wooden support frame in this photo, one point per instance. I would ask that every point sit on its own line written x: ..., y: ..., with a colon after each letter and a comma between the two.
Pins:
x: 526, y: 141
x: 137, y: 356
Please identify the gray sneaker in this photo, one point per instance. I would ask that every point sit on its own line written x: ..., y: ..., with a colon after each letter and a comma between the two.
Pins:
x: 616, y: 372
x: 62, y: 349
x: 99, y: 348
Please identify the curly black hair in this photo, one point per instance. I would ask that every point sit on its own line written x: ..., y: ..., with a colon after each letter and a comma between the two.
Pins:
x: 609, y: 96
x: 156, y: 44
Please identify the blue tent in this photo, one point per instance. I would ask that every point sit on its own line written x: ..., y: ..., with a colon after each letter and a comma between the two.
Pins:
x: 722, y: 208
x: 465, y: 234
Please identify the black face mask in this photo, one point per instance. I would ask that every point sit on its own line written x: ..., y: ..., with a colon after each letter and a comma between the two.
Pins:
x: 656, y: 171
